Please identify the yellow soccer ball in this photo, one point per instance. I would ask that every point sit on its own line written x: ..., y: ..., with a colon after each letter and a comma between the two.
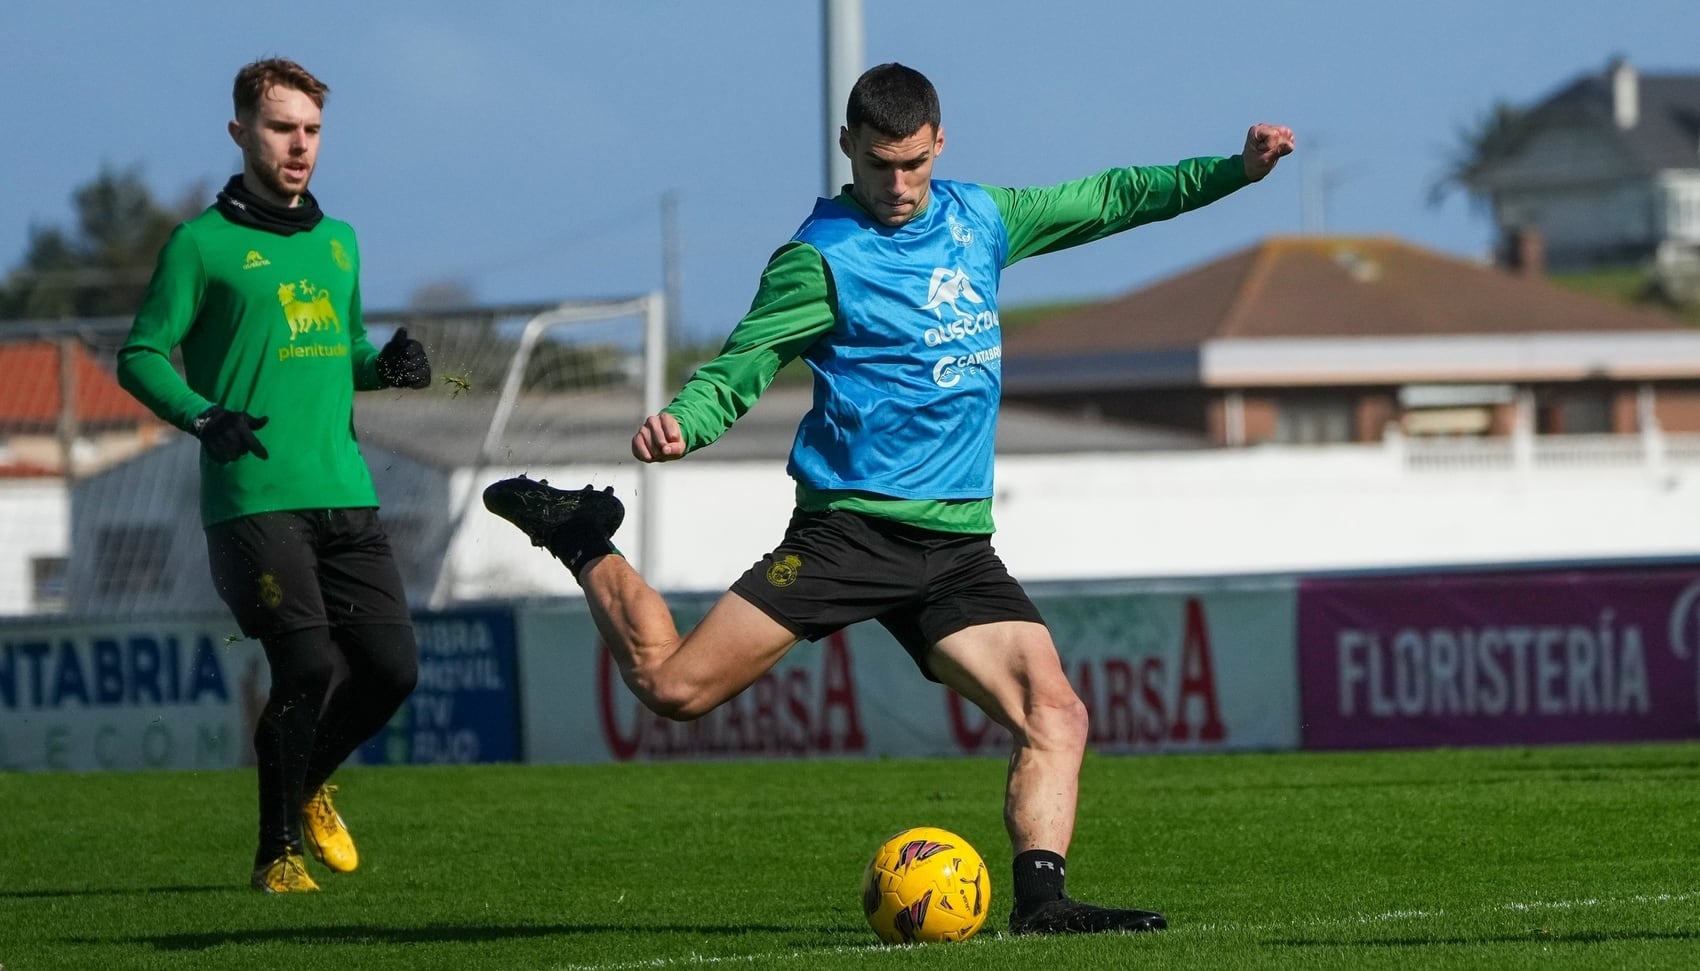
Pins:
x: 924, y: 885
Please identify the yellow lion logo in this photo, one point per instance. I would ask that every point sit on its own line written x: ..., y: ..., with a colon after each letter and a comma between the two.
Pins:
x: 309, y: 310
x: 784, y: 572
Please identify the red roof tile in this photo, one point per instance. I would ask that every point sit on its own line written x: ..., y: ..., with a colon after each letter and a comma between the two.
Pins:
x: 30, y: 394
x: 1319, y: 286
x: 26, y: 470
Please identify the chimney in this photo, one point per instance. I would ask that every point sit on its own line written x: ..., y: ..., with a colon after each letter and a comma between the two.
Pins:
x: 1524, y: 252
x: 1625, y: 94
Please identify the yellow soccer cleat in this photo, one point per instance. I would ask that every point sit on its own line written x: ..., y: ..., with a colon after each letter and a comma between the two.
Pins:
x: 327, y: 836
x: 286, y: 874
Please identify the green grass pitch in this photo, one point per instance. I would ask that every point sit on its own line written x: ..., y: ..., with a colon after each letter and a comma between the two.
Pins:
x: 1573, y: 857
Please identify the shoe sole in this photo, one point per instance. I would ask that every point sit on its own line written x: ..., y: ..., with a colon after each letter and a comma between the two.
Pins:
x: 507, y: 499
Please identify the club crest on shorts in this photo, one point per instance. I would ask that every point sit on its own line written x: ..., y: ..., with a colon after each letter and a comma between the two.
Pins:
x: 270, y: 593
x: 784, y: 572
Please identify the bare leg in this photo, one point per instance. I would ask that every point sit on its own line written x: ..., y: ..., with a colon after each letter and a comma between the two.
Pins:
x: 679, y: 677
x: 1011, y: 671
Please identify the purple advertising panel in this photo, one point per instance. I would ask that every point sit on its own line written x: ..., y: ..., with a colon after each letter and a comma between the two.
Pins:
x: 1585, y: 655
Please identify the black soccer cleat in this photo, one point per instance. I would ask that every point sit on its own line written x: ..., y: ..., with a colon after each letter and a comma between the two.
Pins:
x: 540, y: 509
x: 1068, y: 916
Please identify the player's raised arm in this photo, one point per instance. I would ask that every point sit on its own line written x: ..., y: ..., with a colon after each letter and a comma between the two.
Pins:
x: 1264, y: 146
x: 1045, y: 219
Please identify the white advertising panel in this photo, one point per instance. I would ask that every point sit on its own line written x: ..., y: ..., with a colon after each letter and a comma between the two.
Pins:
x: 176, y: 694
x: 1207, y: 667
x: 186, y: 693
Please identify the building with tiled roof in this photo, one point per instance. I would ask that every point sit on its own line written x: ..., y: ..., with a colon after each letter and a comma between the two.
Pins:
x: 1314, y: 339
x: 32, y: 396
x: 1606, y: 170
x: 98, y: 420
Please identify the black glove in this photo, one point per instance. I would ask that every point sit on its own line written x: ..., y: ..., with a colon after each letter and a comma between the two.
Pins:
x: 402, y: 362
x: 228, y: 435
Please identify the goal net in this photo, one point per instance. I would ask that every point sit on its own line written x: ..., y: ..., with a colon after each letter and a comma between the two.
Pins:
x: 101, y: 499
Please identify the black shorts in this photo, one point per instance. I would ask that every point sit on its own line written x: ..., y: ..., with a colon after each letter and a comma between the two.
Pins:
x: 281, y: 572
x: 838, y: 568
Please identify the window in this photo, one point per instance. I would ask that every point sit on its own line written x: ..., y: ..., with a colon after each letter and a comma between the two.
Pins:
x: 1315, y: 420
x: 1682, y: 211
x: 1446, y: 422
x: 47, y: 583
x: 1450, y: 410
x: 1576, y: 411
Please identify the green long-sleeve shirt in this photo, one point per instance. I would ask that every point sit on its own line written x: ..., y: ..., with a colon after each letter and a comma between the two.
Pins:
x: 270, y: 325
x: 793, y: 308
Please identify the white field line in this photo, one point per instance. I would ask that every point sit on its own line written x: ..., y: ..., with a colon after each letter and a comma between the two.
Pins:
x: 1385, y: 917
x: 1391, y: 916
x: 713, y: 960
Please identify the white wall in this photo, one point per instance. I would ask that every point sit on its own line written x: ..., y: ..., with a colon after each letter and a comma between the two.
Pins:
x: 1131, y: 515
x: 34, y: 521
x: 1262, y: 510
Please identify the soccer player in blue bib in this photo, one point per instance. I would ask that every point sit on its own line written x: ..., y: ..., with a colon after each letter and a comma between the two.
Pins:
x: 889, y: 293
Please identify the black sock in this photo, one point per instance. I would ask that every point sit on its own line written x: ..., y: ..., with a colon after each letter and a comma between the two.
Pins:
x: 576, y: 544
x: 1038, y: 879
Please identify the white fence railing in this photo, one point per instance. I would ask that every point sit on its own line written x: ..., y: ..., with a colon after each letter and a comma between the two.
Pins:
x: 1653, y: 451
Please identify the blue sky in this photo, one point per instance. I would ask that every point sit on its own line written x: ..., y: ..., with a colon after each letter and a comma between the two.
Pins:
x: 522, y: 149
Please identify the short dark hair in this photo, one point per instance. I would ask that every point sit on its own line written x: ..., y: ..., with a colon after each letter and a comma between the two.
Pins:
x: 894, y: 100
x: 253, y: 80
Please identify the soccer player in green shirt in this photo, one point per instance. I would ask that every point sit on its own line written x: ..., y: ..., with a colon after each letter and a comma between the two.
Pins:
x: 889, y: 294
x: 262, y: 294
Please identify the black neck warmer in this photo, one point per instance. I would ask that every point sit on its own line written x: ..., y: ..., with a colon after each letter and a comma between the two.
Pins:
x: 241, y: 206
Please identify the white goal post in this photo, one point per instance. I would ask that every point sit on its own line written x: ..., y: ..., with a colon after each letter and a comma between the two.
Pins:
x: 651, y: 307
